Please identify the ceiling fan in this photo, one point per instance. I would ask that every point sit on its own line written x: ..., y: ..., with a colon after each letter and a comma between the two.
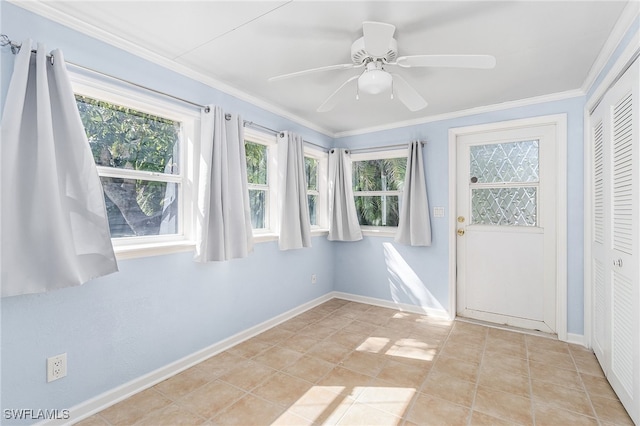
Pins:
x: 376, y: 51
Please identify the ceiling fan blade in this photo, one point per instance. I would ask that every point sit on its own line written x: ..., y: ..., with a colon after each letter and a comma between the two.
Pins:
x: 377, y: 37
x: 407, y: 94
x: 450, y: 61
x: 312, y: 70
x: 332, y: 100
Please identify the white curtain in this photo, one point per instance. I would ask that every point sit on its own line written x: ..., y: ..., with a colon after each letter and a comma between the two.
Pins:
x: 343, y: 219
x: 224, y: 214
x: 414, y: 227
x: 55, y: 231
x: 295, y: 227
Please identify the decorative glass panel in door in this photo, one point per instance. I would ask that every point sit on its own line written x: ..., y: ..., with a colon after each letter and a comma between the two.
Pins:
x: 504, y: 180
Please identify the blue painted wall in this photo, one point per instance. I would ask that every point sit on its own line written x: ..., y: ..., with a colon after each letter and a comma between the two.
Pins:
x: 427, y: 267
x: 156, y: 310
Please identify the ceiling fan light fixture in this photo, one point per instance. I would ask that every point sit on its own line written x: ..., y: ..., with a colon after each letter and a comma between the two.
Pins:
x: 374, y: 80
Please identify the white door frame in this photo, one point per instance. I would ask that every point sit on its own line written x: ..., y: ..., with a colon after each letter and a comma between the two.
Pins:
x: 560, y: 121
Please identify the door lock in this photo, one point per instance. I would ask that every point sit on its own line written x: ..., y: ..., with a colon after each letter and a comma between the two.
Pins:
x: 460, y: 219
x: 460, y: 232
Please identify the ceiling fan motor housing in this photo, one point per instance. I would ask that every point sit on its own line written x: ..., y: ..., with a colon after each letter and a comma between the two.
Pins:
x: 359, y: 54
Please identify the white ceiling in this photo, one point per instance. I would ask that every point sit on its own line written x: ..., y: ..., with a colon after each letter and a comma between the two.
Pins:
x: 541, y: 47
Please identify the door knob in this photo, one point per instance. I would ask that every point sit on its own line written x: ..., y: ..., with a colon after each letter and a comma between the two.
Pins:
x: 461, y: 232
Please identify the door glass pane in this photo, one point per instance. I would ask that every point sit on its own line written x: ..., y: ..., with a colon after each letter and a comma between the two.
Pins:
x: 504, y: 206
x: 505, y: 162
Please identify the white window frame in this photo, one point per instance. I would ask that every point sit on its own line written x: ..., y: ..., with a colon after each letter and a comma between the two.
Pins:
x: 189, y: 119
x: 322, y: 209
x: 269, y: 232
x: 381, y: 231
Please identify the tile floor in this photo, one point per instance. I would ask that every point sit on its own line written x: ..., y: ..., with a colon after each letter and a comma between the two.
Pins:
x: 349, y: 363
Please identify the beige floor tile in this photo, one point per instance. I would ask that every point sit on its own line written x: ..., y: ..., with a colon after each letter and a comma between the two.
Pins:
x: 274, y: 335
x: 391, y: 399
x: 330, y: 352
x: 428, y: 410
x: 482, y: 419
x: 505, y: 382
x: 466, y: 338
x: 211, y: 399
x: 505, y: 335
x: 548, y: 415
x: 403, y: 375
x: 220, y: 364
x: 94, y: 420
x: 588, y: 365
x: 463, y: 352
x: 503, y: 405
x: 316, y: 332
x: 359, y: 327
x: 556, y: 359
x: 610, y: 411
x: 134, y: 408
x: 374, y: 318
x: 463, y: 370
x: 322, y: 405
x: 515, y: 348
x: 282, y: 389
x: 346, y: 339
x: 598, y: 386
x: 290, y: 419
x: 172, y: 415
x: 309, y: 368
x: 250, y: 348
x: 249, y: 410
x: 299, y: 343
x: 364, y: 415
x: 500, y: 363
x: 248, y: 375
x: 545, y: 343
x: 561, y: 397
x: 336, y: 323
x: 365, y: 362
x: 182, y: 383
x: 559, y: 376
x: 278, y: 358
x: 412, y: 351
x: 345, y: 381
x: 294, y: 324
x: 450, y: 388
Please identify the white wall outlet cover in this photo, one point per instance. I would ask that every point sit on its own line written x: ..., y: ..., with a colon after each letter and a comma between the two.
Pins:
x: 56, y: 367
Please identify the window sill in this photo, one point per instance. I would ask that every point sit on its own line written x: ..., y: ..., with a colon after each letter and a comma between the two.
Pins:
x: 379, y: 232
x: 268, y: 236
x: 134, y: 251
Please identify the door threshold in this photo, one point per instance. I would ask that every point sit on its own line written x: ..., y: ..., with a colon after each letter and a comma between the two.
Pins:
x: 552, y: 336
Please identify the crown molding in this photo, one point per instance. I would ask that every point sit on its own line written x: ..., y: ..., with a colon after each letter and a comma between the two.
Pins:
x: 629, y: 14
x: 467, y: 112
x: 41, y: 8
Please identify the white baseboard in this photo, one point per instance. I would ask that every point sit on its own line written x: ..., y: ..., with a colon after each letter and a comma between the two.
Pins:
x: 576, y: 339
x: 437, y: 313
x: 113, y: 396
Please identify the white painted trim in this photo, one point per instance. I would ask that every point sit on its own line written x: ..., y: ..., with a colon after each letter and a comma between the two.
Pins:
x: 560, y: 121
x: 615, y: 72
x: 415, y: 309
x: 88, y: 408
x: 43, y: 9
x: 576, y: 339
x: 467, y: 112
x: 628, y: 16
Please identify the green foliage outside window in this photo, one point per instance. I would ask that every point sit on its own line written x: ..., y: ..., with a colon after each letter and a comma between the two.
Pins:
x: 385, y: 176
x: 124, y: 138
x: 257, y: 159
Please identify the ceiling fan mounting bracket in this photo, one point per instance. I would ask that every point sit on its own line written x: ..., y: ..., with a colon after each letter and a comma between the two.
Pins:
x: 359, y: 55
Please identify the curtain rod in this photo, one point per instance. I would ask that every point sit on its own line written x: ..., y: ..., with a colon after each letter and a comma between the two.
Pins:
x: 15, y: 48
x: 383, y: 147
x: 248, y: 123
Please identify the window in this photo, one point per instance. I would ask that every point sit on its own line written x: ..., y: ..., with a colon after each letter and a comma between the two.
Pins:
x: 316, y: 170
x: 378, y: 180
x: 139, y: 144
x: 311, y: 172
x: 260, y: 150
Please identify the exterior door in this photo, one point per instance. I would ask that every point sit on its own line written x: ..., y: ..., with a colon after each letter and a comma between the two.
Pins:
x: 506, y: 243
x: 615, y: 235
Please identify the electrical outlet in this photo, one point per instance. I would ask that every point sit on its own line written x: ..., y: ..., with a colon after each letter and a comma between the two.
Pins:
x: 56, y: 367
x: 314, y: 279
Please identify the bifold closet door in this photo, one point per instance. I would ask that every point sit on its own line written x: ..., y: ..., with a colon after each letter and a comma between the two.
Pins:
x: 615, y: 233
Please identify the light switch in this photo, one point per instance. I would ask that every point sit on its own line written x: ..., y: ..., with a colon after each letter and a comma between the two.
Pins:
x: 438, y: 212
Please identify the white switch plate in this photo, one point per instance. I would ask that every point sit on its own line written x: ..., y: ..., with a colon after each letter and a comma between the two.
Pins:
x: 438, y: 212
